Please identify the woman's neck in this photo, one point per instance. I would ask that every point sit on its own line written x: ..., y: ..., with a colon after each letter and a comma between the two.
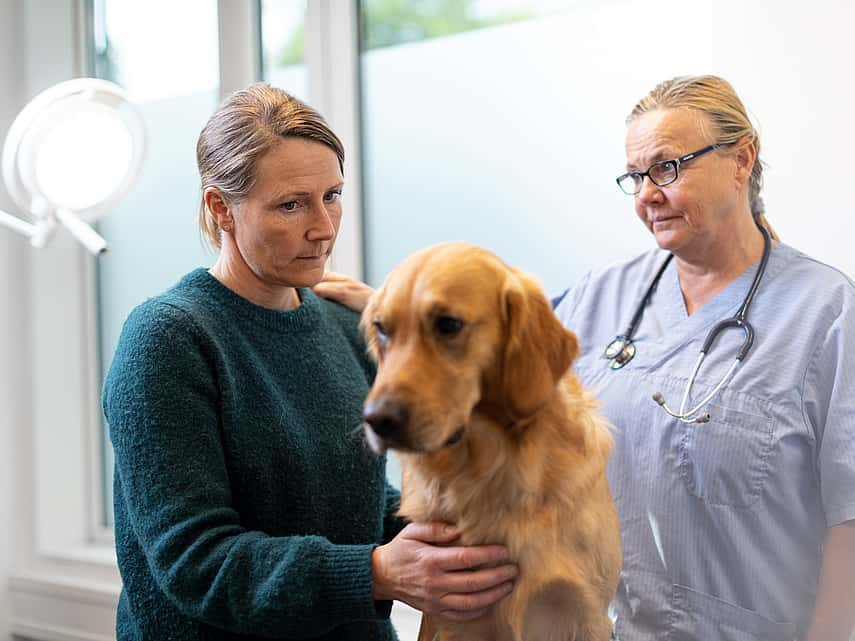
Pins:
x: 703, y: 275
x: 234, y: 273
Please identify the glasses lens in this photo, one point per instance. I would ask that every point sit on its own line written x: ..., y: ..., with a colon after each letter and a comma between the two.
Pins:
x: 664, y: 173
x: 630, y: 184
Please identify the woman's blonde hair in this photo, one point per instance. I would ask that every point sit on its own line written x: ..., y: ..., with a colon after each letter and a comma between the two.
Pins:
x: 245, y: 127
x: 717, y: 100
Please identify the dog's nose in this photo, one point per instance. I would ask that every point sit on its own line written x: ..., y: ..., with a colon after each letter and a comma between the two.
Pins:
x: 386, y: 416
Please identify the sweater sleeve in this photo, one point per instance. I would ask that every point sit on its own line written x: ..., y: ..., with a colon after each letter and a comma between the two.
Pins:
x: 161, y: 401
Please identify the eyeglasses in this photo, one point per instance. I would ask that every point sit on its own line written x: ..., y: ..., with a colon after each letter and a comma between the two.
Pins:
x: 661, y: 173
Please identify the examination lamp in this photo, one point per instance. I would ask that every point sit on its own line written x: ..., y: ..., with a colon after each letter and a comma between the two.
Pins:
x: 70, y: 155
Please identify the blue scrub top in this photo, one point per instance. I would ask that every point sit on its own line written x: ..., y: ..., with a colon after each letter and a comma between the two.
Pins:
x: 722, y: 523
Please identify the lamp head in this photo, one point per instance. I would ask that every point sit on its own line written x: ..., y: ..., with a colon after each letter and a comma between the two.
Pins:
x: 71, y: 154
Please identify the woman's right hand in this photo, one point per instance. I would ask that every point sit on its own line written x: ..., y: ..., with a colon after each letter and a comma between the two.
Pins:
x: 344, y: 290
x: 419, y: 568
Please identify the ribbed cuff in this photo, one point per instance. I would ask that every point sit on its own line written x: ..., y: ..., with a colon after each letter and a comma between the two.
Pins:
x: 348, y: 585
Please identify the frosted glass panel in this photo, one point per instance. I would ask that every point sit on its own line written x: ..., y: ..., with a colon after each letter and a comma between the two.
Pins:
x: 496, y: 137
x: 283, y: 29
x: 511, y: 136
x: 152, y: 234
x: 387, y: 23
x: 159, y: 48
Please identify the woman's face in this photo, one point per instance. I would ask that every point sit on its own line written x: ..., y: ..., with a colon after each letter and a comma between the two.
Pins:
x: 285, y: 228
x: 699, y: 208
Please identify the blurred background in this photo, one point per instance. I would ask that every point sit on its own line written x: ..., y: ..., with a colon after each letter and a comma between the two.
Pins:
x: 498, y: 122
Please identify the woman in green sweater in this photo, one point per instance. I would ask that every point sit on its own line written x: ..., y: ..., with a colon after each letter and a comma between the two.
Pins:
x: 245, y: 502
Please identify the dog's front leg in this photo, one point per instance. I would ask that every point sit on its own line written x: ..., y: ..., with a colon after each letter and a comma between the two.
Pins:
x: 428, y: 630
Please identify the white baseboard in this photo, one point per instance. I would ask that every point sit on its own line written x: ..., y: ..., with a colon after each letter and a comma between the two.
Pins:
x: 55, y: 609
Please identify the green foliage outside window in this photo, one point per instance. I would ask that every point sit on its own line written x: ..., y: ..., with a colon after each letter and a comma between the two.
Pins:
x: 393, y: 22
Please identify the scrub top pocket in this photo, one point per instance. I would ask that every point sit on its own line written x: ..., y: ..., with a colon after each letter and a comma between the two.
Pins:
x: 727, y: 461
x: 696, y: 616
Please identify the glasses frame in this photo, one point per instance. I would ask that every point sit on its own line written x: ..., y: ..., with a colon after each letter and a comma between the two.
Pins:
x: 675, y: 162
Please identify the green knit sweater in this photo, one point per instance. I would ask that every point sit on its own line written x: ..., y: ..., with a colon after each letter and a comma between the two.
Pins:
x: 246, y: 504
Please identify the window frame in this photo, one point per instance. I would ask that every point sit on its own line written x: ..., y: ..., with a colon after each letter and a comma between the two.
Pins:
x: 62, y: 584
x: 65, y: 583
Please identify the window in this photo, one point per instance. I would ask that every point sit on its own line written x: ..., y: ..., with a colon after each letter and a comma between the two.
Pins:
x: 394, y: 22
x: 152, y: 234
x: 66, y: 580
x: 283, y: 43
x: 478, y: 125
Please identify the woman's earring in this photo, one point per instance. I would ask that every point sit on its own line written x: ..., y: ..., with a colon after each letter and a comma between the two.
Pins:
x: 227, y: 227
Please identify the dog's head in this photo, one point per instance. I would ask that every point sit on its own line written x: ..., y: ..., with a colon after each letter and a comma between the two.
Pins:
x: 454, y: 331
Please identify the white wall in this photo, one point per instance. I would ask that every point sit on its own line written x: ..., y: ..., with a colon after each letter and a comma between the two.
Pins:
x: 14, y: 303
x: 511, y: 137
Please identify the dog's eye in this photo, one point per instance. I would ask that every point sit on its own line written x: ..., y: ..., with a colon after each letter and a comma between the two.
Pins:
x: 382, y: 334
x: 447, y: 325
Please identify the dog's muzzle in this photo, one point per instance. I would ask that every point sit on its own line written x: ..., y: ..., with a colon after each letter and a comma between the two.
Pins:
x: 386, y: 420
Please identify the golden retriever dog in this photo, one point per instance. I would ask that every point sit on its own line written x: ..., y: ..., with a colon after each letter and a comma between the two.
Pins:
x: 496, y: 435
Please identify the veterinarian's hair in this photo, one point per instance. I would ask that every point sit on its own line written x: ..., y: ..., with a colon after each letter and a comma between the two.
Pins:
x: 245, y: 127
x: 725, y: 114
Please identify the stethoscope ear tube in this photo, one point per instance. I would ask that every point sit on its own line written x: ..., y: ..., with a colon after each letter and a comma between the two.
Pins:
x: 726, y: 324
x: 622, y: 349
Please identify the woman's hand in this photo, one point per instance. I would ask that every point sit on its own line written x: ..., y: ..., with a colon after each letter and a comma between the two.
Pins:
x: 344, y: 289
x: 449, y: 582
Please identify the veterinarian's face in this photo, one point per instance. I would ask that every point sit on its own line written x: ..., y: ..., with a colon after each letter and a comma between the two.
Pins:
x: 699, y: 206
x: 436, y: 332
x: 285, y: 228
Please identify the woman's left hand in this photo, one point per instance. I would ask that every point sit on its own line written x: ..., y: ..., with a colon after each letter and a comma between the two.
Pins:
x: 344, y: 289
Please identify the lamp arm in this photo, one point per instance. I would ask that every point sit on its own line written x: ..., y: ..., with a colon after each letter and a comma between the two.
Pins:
x: 90, y: 238
x: 16, y: 224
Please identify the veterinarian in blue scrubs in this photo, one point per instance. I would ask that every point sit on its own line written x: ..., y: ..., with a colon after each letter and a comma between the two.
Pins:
x: 737, y: 516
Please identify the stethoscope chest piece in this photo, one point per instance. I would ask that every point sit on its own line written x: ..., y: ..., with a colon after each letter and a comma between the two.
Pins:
x: 619, y: 352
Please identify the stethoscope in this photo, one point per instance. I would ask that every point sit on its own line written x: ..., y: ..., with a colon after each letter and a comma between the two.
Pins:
x: 622, y: 349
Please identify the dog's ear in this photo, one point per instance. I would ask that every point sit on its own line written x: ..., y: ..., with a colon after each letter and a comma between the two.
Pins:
x: 538, y: 349
x: 366, y: 324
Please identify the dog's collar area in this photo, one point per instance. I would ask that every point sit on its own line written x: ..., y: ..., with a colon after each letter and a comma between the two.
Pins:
x: 507, y: 418
x: 500, y: 413
x: 455, y: 438
x: 518, y: 423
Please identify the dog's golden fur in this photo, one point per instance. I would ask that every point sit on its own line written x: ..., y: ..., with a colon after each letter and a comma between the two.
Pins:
x: 464, y: 341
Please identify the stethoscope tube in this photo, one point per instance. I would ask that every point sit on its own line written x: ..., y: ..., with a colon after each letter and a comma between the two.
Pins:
x: 622, y: 349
